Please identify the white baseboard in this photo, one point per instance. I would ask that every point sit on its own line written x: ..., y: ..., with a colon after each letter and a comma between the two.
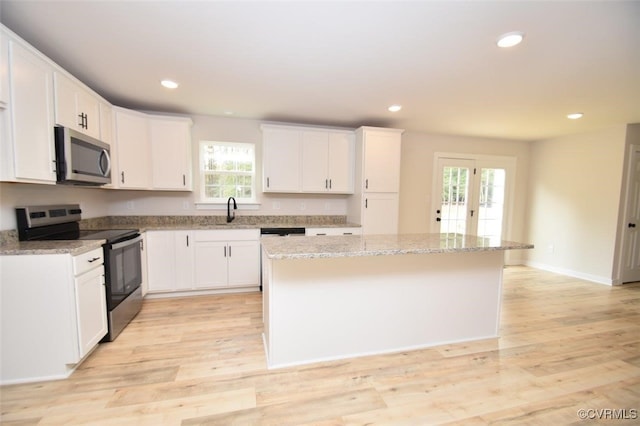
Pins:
x: 571, y: 273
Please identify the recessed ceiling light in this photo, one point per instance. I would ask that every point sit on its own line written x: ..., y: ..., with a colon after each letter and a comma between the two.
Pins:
x: 169, y: 84
x: 510, y: 39
x: 575, y: 115
x: 395, y: 108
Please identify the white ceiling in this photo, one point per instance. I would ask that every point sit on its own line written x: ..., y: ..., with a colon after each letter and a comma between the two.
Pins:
x: 343, y: 63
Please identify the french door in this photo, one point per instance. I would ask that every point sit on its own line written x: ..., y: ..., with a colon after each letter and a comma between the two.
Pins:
x: 470, y: 195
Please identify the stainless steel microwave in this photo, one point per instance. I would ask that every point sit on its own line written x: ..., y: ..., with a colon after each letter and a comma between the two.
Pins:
x: 80, y: 159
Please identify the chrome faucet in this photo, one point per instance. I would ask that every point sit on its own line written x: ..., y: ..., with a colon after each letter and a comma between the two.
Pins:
x: 235, y: 207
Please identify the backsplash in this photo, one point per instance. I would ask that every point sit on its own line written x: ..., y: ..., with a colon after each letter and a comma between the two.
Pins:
x: 258, y: 220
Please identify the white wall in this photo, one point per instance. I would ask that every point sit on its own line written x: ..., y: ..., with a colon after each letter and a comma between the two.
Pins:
x: 574, y: 198
x: 416, y: 185
x: 92, y: 200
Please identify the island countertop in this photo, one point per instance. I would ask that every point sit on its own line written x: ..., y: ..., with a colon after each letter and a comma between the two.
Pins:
x: 380, y: 245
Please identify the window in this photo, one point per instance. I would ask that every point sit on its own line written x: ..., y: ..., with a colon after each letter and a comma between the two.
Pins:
x: 227, y: 169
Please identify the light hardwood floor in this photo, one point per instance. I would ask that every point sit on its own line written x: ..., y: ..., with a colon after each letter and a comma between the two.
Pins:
x: 565, y: 345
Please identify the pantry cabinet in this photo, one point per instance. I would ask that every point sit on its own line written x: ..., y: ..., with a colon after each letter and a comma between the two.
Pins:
x: 375, y: 204
x: 76, y: 107
x: 227, y: 258
x: 27, y: 148
x: 171, y: 153
x: 169, y: 261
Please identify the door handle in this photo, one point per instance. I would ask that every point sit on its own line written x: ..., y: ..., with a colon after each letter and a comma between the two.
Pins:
x: 632, y: 225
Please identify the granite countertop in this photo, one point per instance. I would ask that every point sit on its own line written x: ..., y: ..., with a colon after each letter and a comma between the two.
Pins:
x: 380, y: 245
x: 73, y: 247
x: 232, y: 225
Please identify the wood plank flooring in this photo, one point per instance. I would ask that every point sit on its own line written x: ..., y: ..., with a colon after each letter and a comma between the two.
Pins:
x: 565, y: 345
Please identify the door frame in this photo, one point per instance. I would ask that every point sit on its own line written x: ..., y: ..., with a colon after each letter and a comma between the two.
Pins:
x: 482, y: 160
x: 619, y: 256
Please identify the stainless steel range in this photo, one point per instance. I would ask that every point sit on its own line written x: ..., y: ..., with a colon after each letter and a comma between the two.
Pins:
x: 122, y: 267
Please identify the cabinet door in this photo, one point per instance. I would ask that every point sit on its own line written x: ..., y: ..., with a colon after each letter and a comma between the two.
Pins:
x: 161, y: 264
x: 281, y: 160
x: 171, y: 153
x: 183, y: 260
x: 315, y: 157
x: 75, y: 107
x: 210, y: 264
x: 382, y: 161
x: 341, y: 158
x: 106, y: 123
x: 31, y: 116
x: 380, y: 214
x: 91, y: 309
x: 244, y: 263
x: 4, y: 70
x: 132, y: 139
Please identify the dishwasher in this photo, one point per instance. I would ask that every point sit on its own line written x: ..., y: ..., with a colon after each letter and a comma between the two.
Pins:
x: 279, y: 232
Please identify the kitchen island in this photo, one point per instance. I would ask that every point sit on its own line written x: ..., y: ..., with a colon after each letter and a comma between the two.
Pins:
x: 334, y: 297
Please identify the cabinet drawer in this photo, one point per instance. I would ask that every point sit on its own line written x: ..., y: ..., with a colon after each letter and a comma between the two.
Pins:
x: 87, y: 261
x: 228, y: 235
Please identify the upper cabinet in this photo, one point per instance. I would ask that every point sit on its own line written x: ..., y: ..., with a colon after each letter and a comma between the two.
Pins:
x: 327, y: 161
x: 381, y: 164
x: 153, y: 152
x: 4, y: 70
x: 76, y: 107
x: 305, y: 159
x: 133, y: 150
x: 280, y: 159
x: 171, y: 153
x: 27, y: 145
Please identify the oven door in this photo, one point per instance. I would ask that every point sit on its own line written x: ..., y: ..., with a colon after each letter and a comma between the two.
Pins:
x: 123, y: 270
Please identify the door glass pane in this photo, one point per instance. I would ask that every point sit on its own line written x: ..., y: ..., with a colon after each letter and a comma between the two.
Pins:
x: 455, y: 195
x: 491, y: 205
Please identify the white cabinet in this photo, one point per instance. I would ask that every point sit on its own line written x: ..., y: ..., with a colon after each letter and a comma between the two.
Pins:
x: 327, y: 161
x: 53, y: 313
x: 91, y: 308
x: 171, y: 153
x: 349, y: 230
x: 375, y: 202
x: 76, y: 107
x: 381, y: 160
x: 27, y: 148
x: 106, y: 123
x: 169, y: 260
x: 227, y: 258
x: 280, y: 159
x: 305, y: 159
x: 133, y: 150
x: 4, y: 70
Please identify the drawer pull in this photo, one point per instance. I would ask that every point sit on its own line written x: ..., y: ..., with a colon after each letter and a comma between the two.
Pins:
x: 93, y: 260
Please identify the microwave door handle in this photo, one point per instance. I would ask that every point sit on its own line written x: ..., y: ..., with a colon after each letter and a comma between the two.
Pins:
x: 104, y: 154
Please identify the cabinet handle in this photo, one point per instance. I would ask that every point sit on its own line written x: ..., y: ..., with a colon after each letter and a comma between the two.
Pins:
x: 93, y: 260
x: 187, y: 241
x: 267, y: 182
x: 329, y: 183
x: 81, y: 117
x: 326, y: 184
x: 366, y: 184
x: 366, y: 203
x: 86, y: 121
x: 184, y: 180
x: 122, y: 177
x: 225, y: 251
x: 229, y: 251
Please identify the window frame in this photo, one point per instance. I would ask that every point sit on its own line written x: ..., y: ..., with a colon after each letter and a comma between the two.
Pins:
x: 202, y: 173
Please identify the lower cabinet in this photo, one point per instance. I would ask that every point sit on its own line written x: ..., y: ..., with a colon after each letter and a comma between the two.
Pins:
x: 169, y: 261
x: 227, y: 258
x: 350, y: 230
x: 53, y: 313
x: 203, y: 259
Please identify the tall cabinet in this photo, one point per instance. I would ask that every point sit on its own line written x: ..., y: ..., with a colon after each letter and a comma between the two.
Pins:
x: 375, y: 202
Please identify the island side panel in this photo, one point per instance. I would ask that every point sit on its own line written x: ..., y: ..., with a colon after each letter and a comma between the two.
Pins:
x: 331, y: 308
